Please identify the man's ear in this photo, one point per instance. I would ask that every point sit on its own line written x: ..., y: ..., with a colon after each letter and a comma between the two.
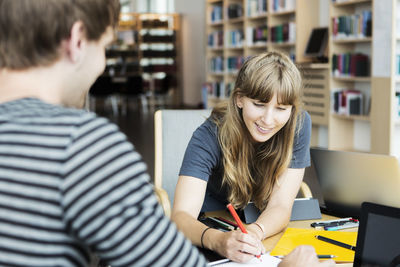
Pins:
x: 77, y: 41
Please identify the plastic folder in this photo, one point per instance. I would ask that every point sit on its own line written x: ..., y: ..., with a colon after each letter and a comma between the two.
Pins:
x: 294, y: 237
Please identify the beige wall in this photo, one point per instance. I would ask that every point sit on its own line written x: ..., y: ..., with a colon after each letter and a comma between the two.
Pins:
x: 193, y: 48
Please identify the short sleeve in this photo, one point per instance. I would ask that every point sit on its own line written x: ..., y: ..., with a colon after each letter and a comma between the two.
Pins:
x: 203, y: 152
x: 301, y: 144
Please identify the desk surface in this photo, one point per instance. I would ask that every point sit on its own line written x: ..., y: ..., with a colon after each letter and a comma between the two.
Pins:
x: 270, y: 242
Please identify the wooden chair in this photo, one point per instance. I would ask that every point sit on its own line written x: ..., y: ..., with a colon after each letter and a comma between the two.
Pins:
x: 173, y: 130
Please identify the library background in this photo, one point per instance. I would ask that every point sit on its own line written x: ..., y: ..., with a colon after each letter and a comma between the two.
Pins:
x: 186, y: 54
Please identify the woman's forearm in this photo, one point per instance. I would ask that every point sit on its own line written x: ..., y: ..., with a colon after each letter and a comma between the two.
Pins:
x: 193, y: 230
x: 273, y: 220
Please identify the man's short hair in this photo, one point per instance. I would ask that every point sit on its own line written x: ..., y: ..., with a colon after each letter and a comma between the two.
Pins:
x: 31, y: 31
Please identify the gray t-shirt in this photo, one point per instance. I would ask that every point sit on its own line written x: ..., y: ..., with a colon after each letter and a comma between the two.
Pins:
x: 203, y: 160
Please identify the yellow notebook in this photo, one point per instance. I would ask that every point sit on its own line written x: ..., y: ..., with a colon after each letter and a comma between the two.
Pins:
x: 294, y: 237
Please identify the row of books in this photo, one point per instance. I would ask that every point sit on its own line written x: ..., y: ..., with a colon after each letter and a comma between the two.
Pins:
x: 256, y: 7
x: 352, y: 26
x: 233, y: 64
x: 256, y: 35
x: 350, y: 64
x: 218, y: 89
x: 234, y: 38
x: 216, y: 14
x: 283, y: 33
x: 282, y: 5
x: 234, y: 10
x: 216, y: 64
x: 347, y: 102
x: 216, y: 39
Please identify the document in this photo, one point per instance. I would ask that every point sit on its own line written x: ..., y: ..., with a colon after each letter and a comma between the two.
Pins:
x: 265, y: 260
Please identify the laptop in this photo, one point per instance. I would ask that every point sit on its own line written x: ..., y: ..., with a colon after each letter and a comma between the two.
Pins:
x: 348, y: 179
x: 378, y: 240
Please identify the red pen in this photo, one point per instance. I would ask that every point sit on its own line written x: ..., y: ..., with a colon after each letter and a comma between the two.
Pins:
x: 237, y: 220
x: 236, y: 217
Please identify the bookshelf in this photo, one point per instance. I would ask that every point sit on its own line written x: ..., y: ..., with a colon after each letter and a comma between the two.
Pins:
x: 351, y: 60
x: 376, y: 128
x: 237, y: 29
x: 148, y: 46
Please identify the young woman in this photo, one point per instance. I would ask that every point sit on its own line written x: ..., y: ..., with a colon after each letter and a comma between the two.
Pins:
x: 252, y: 148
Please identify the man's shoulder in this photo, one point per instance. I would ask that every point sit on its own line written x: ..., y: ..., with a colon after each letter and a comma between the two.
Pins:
x: 30, y: 113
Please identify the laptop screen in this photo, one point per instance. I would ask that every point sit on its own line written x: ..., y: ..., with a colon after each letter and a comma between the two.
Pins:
x: 348, y: 179
x: 378, y: 241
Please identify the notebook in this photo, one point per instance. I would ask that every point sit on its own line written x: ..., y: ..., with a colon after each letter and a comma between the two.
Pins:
x: 378, y: 242
x: 348, y: 179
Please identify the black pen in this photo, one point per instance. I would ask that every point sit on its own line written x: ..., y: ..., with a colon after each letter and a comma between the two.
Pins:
x: 319, y: 257
x: 334, y: 242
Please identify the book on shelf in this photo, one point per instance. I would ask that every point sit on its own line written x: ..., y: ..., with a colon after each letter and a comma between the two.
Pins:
x: 284, y: 33
x: 347, y: 102
x: 234, y: 38
x: 256, y: 35
x: 216, y: 39
x: 256, y: 7
x: 216, y: 64
x: 282, y: 5
x: 352, y: 26
x: 234, y: 63
x: 234, y: 10
x: 350, y: 64
x: 215, y: 89
x: 216, y: 14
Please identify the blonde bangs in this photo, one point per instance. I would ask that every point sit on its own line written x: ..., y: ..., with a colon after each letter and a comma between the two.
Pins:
x: 261, y: 80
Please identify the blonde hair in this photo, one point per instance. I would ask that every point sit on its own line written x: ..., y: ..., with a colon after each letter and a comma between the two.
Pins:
x: 32, y: 30
x: 251, y: 171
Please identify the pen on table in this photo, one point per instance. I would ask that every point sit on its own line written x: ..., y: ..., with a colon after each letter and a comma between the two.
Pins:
x: 319, y: 256
x: 228, y: 221
x: 334, y: 242
x: 219, y: 262
x: 237, y: 220
x: 340, y: 227
x: 221, y: 223
x: 334, y: 222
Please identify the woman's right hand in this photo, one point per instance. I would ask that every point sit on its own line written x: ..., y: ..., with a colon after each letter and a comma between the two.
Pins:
x: 235, y: 245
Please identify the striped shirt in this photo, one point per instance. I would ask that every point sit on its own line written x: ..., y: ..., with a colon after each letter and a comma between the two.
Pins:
x: 70, y: 185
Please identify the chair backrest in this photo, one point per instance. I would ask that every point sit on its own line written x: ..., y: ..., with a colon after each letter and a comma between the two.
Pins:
x: 173, y: 130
